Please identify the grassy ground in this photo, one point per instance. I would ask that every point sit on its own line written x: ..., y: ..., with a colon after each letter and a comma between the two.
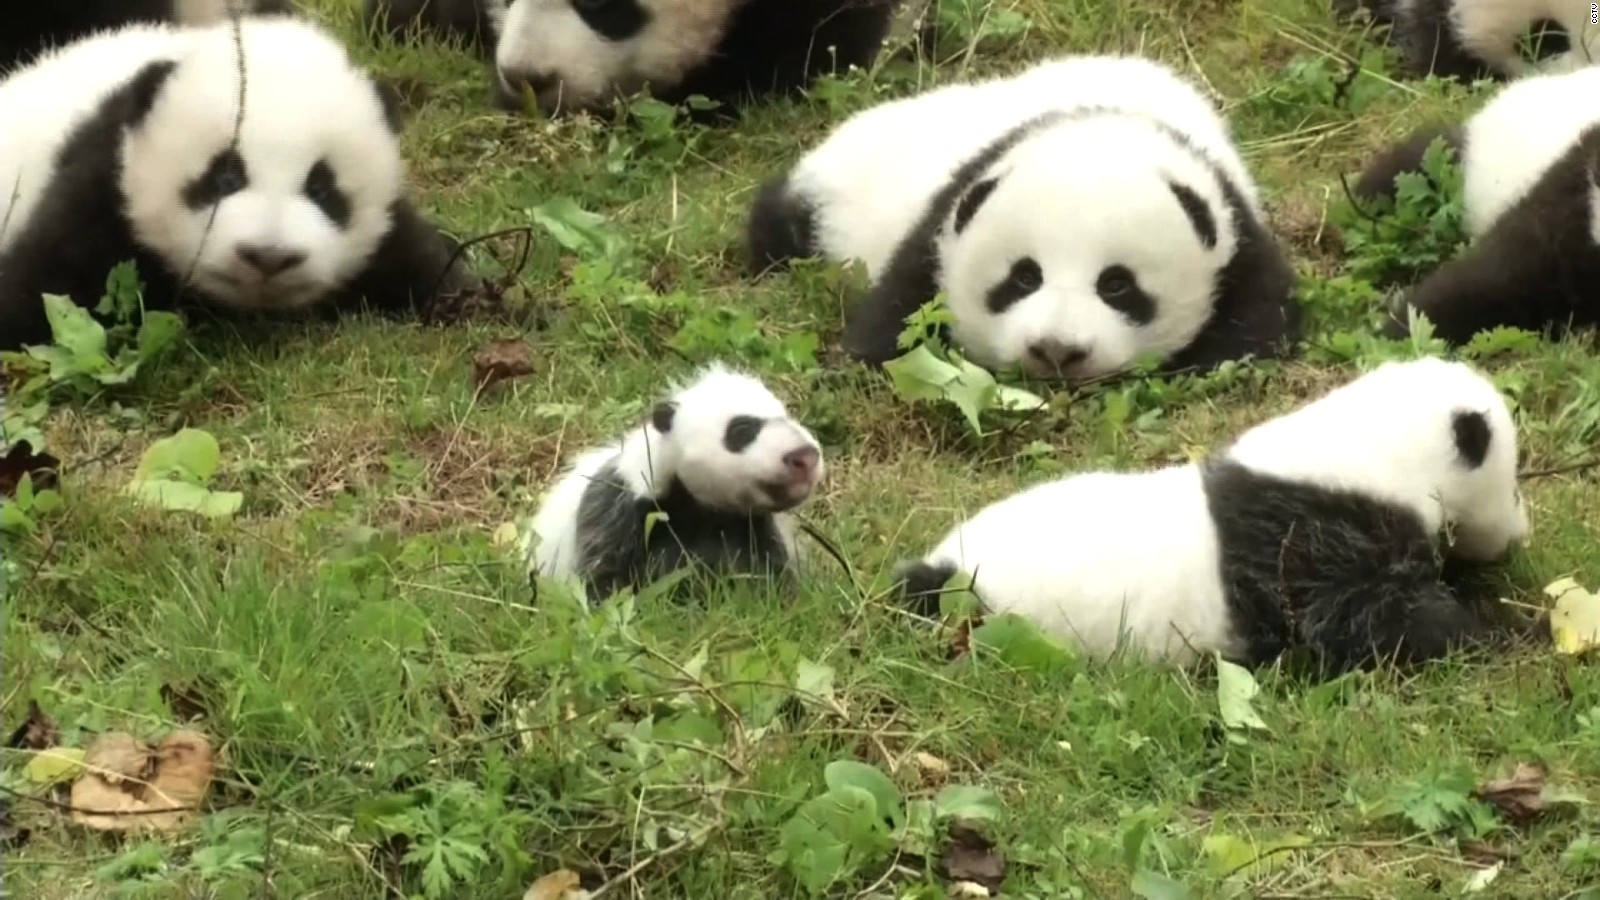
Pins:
x: 396, y: 718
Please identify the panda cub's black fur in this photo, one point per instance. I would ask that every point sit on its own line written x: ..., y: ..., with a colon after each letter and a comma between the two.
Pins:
x: 30, y: 26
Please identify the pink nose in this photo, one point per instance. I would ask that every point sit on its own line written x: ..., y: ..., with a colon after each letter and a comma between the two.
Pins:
x: 802, y: 463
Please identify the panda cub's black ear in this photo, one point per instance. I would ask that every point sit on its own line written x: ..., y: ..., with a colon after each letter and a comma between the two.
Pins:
x: 661, y: 416
x: 1472, y: 437
x: 971, y: 202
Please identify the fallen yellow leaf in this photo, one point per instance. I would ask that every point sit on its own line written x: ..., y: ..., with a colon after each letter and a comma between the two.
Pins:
x: 562, y: 884
x: 1575, y: 618
x: 506, y: 534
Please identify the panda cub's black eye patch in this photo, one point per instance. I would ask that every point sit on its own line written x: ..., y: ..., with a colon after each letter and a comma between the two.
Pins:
x: 1024, y: 278
x: 1120, y: 290
x: 742, y: 431
x: 226, y: 175
x: 614, y: 20
x: 322, y: 188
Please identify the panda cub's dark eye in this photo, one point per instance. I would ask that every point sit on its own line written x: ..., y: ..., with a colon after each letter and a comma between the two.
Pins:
x: 226, y: 175
x: 742, y: 432
x: 322, y: 188
x: 1024, y: 278
x: 1119, y: 290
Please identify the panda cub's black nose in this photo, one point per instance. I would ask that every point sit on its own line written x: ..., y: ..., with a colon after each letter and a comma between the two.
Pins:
x: 269, y: 260
x: 512, y: 82
x: 1058, y: 354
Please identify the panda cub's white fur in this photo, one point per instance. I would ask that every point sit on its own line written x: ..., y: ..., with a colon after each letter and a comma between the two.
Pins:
x: 721, y: 458
x: 132, y: 144
x: 1314, y: 528
x: 1078, y: 216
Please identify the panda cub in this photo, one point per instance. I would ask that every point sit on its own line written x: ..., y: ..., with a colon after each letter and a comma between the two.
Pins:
x: 721, y: 459
x: 1530, y: 161
x: 574, y: 55
x: 1316, y: 529
x: 1080, y: 216
x: 122, y: 146
x: 31, y: 27
x: 1473, y: 39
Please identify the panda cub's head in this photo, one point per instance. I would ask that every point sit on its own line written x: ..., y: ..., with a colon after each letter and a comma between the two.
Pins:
x: 580, y: 54
x: 1432, y: 435
x: 297, y: 204
x: 1097, y: 238
x: 732, y: 446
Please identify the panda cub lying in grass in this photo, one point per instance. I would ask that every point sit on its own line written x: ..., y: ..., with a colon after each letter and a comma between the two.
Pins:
x: 1317, y: 529
x: 1530, y: 166
x: 720, y: 460
x: 1473, y: 39
x: 123, y: 146
x: 1080, y: 216
x: 576, y: 55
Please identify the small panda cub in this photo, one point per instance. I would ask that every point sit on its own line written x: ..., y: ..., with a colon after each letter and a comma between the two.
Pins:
x: 574, y: 55
x: 721, y: 460
x: 131, y: 144
x: 1080, y: 216
x: 1530, y: 161
x: 1317, y: 529
x: 32, y: 27
x: 1473, y: 39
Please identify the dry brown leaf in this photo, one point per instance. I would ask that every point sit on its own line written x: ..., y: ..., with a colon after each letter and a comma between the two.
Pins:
x: 127, y: 786
x: 931, y: 766
x: 117, y: 756
x: 501, y: 359
x: 562, y: 884
x: 37, y: 732
x: 969, y: 889
x: 1519, y: 798
x: 970, y: 856
x: 961, y: 640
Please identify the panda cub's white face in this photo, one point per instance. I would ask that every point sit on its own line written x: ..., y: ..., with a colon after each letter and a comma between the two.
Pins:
x: 580, y: 54
x: 299, y: 203
x: 734, y: 446
x: 1086, y: 246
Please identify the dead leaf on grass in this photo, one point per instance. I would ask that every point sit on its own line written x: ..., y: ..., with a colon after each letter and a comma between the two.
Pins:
x: 970, y: 856
x: 961, y: 640
x: 128, y: 786
x: 37, y: 732
x: 969, y: 889
x: 1524, y: 796
x: 562, y: 884
x: 932, y: 767
x: 20, y: 460
x: 502, y: 359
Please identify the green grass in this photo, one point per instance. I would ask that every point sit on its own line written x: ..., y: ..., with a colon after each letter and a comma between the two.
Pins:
x: 395, y: 715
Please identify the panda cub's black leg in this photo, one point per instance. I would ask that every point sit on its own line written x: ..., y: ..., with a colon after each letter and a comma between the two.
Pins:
x: 920, y: 584
x: 781, y: 227
x: 412, y: 271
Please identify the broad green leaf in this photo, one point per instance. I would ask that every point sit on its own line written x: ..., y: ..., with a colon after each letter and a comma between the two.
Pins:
x: 965, y: 801
x: 187, y: 496
x: 697, y: 663
x: 1228, y: 855
x: 1021, y: 644
x: 54, y: 765
x: 577, y: 229
x: 190, y: 455
x: 1155, y: 886
x: 832, y: 835
x: 814, y: 680
x: 845, y: 773
x: 157, y: 330
x: 74, y: 329
x: 1007, y: 397
x: 1236, y: 692
x: 919, y: 375
x: 46, y: 501
x: 13, y: 519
